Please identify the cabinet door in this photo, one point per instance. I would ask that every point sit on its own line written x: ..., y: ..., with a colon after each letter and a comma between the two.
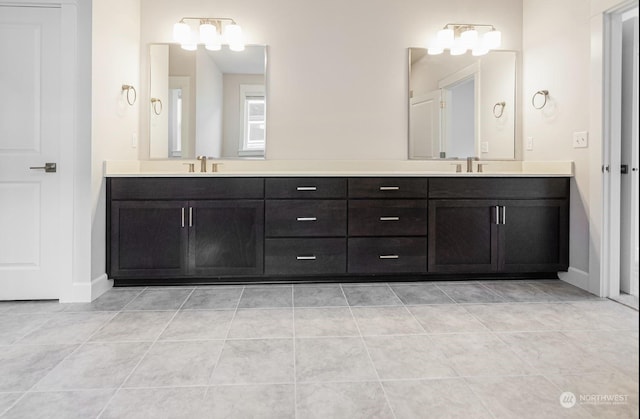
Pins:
x: 534, y: 235
x: 463, y: 236
x: 226, y: 237
x: 148, y: 239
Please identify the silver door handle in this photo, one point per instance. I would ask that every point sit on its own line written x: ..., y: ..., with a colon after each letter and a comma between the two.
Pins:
x: 497, y: 214
x: 389, y: 188
x: 306, y: 219
x: 190, y: 216
x: 306, y: 188
x: 504, y: 215
x: 389, y: 257
x: 48, y: 168
x: 389, y: 218
x: 305, y: 257
x: 182, y: 217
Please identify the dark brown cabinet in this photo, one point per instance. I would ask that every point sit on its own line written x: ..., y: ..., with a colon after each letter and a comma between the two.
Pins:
x: 528, y: 233
x: 213, y: 229
x: 152, y: 234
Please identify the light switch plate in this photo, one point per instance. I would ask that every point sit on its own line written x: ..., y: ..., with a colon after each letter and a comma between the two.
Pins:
x: 134, y: 140
x: 484, y: 146
x: 529, y: 145
x: 580, y: 139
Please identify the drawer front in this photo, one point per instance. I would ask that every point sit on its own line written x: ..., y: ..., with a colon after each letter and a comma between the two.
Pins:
x: 305, y: 187
x: 388, y: 187
x: 388, y: 217
x: 499, y: 188
x: 186, y: 188
x: 387, y: 255
x: 303, y: 218
x: 305, y: 256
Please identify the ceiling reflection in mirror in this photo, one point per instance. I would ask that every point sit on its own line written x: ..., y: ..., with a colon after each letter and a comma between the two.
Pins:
x: 210, y: 103
x: 462, y: 106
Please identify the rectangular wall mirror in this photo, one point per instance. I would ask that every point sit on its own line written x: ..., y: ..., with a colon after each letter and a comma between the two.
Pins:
x: 462, y: 106
x: 210, y: 103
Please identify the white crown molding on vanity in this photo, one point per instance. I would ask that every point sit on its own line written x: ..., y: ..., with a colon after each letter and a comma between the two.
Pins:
x: 243, y: 168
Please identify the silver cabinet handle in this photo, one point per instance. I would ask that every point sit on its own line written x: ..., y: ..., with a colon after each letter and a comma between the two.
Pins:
x: 389, y: 188
x: 306, y: 219
x: 389, y: 257
x: 306, y: 188
x: 504, y: 214
x: 497, y: 214
x: 182, y: 217
x: 190, y: 216
x: 305, y: 257
x: 48, y: 167
x: 389, y: 218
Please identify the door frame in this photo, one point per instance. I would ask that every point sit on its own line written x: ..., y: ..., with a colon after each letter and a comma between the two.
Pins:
x: 75, y: 155
x: 611, y: 147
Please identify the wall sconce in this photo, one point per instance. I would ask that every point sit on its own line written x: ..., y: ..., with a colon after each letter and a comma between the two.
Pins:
x: 458, y: 38
x: 212, y: 32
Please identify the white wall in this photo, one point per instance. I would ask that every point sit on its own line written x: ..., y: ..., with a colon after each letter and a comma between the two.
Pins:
x: 209, y: 108
x: 556, y: 57
x: 337, y: 71
x: 115, y: 52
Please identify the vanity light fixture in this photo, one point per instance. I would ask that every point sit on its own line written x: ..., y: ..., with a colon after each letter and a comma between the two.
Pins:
x: 458, y: 38
x: 212, y: 32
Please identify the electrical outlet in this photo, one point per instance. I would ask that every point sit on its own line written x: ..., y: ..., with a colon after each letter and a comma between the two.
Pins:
x: 134, y: 140
x: 581, y: 139
x: 529, y: 144
x: 484, y: 146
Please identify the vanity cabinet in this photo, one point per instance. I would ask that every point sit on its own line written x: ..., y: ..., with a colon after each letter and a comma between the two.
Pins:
x: 387, y: 225
x: 502, y: 225
x: 305, y: 226
x: 214, y: 229
x: 156, y: 231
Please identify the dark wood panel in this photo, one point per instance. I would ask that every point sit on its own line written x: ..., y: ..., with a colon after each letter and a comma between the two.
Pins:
x: 498, y: 188
x: 298, y: 218
x: 534, y: 236
x: 186, y: 188
x: 382, y: 217
x: 463, y: 236
x: 306, y: 187
x: 387, y: 255
x: 305, y: 256
x: 147, y: 238
x: 226, y: 237
x: 388, y: 187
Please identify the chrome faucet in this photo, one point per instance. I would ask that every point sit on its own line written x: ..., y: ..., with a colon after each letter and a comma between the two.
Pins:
x: 203, y: 163
x: 470, y: 163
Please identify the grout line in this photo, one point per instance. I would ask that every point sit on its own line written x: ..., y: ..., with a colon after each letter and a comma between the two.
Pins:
x: 295, y: 378
x: 145, y: 354
x: 226, y: 338
x: 410, y: 313
x: 375, y: 370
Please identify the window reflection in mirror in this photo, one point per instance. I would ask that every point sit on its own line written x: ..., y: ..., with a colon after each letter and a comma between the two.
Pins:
x: 214, y: 102
x: 453, y: 105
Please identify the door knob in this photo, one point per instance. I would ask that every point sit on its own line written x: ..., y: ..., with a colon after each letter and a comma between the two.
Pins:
x: 48, y: 167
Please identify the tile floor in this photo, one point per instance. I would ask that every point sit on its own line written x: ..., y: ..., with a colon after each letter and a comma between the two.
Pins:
x: 490, y: 349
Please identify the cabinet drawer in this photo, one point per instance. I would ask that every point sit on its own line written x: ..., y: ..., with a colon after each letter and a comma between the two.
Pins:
x: 185, y: 188
x: 388, y: 217
x: 391, y: 187
x: 306, y: 187
x: 305, y: 256
x: 387, y: 255
x: 499, y: 188
x: 299, y: 218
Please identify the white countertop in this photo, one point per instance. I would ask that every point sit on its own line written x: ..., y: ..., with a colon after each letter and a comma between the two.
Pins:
x: 341, y: 168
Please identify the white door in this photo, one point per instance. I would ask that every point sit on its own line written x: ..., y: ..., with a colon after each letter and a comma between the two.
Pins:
x: 424, y: 126
x: 30, y: 265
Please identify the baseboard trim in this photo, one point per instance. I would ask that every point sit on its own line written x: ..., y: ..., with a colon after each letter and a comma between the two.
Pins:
x: 100, y: 285
x: 576, y: 277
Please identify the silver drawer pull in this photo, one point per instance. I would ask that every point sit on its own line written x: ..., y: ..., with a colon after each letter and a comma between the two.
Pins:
x: 306, y: 219
x: 389, y: 218
x: 305, y: 257
x: 306, y: 188
x: 389, y: 188
x: 389, y: 257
